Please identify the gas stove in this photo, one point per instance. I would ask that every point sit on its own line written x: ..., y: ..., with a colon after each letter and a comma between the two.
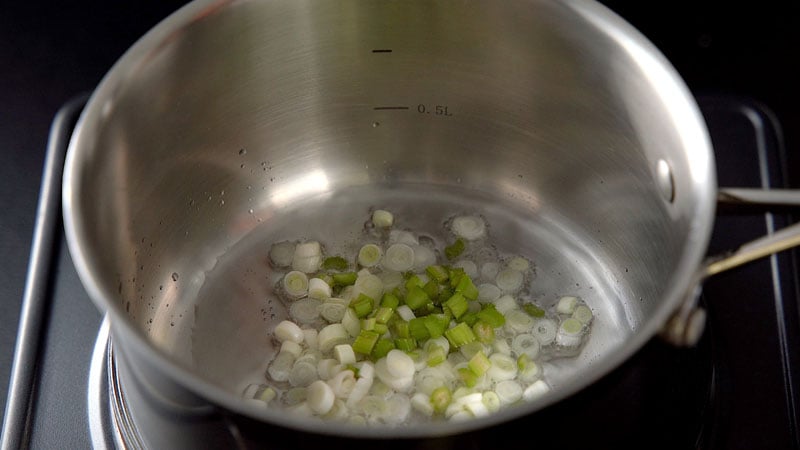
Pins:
x: 736, y: 389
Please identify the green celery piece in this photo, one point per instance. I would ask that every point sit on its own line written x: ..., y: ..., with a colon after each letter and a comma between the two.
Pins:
x: 459, y: 335
x: 390, y: 300
x: 444, y: 294
x: 469, y: 318
x: 405, y: 344
x: 382, y: 347
x: 365, y: 341
x: 362, y: 305
x: 416, y: 297
x: 455, y: 249
x: 418, y: 330
x: 344, y: 278
x: 401, y: 329
x: 431, y: 288
x: 335, y: 263
x: 491, y: 316
x: 436, y: 324
x: 455, y: 276
x: 469, y: 377
x: 368, y: 324
x: 437, y: 273
x: 533, y: 310
x: 466, y: 287
x: 383, y: 314
x: 412, y: 281
x: 479, y: 363
x: 483, y: 332
x: 440, y: 399
x: 457, y: 305
x: 436, y: 355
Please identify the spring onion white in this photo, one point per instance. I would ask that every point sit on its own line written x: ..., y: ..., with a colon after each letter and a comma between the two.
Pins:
x: 319, y: 289
x: 405, y: 313
x: 344, y: 354
x: 506, y: 303
x: 369, y: 285
x: 545, y: 331
x: 489, y: 271
x: 508, y: 391
x: 288, y: 331
x: 488, y: 292
x: 320, y: 397
x: 469, y: 227
x: 569, y: 333
x: 295, y: 283
x: 382, y: 218
x: 503, y: 367
x: 423, y: 257
x: 292, y: 348
x: 399, y: 258
x: 305, y: 311
x: 370, y: 255
x: 519, y: 321
x: 583, y: 314
x: 281, y: 253
x: 307, y: 257
x: 402, y: 237
x: 509, y: 280
x: 333, y: 309
x: 331, y: 336
x: 302, y: 374
x: 470, y: 268
x: 566, y: 305
x: 351, y: 323
x: 421, y: 403
x: 536, y: 390
x: 519, y: 264
x: 325, y: 368
x: 310, y: 338
x: 526, y: 344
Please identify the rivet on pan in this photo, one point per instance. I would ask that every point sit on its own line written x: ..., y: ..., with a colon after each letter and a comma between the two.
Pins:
x: 665, y: 181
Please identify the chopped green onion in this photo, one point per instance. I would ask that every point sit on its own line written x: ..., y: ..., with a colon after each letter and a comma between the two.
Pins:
x: 523, y: 361
x: 491, y: 401
x: 436, y: 355
x: 382, y: 348
x: 509, y: 280
x: 399, y: 258
x: 466, y: 287
x: 468, y: 227
x: 533, y: 310
x: 305, y: 311
x: 400, y: 364
x: 459, y: 335
x: 519, y: 264
x: 350, y: 322
x: 519, y: 321
x: 288, y: 331
x: 400, y: 329
x: 326, y: 277
x: 417, y: 329
x: 344, y: 278
x: 390, y: 300
x: 335, y: 263
x: 416, y: 297
x: 488, y: 292
x: 491, y: 316
x: 457, y: 304
x: 382, y: 218
x: 383, y: 314
x: 281, y: 253
x: 440, y: 399
x: 483, y: 332
x: 333, y: 309
x: 381, y: 328
x: 320, y: 397
x: 412, y: 281
x: 525, y: 344
x: 307, y: 257
x: 444, y: 294
x: 431, y: 288
x: 583, y: 314
x: 332, y: 335
x: 295, y: 283
x: 508, y: 391
x: 365, y: 342
x: 405, y: 312
x: 318, y: 289
x: 437, y: 273
x: 470, y: 318
x: 455, y: 249
x: 369, y: 255
x: 368, y: 284
x: 455, y: 276
x: 368, y: 324
x: 467, y: 376
x: 362, y: 305
x: 436, y: 324
x: 503, y: 367
x: 303, y: 373
x: 545, y: 331
x: 566, y: 305
x: 344, y: 354
x: 405, y: 344
x: 479, y: 363
x: 569, y: 333
x: 505, y: 304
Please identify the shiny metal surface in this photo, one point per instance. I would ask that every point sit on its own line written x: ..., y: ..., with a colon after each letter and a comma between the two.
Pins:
x: 549, y: 118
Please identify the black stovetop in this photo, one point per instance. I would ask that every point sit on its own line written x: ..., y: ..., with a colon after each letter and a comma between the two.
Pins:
x: 736, y: 389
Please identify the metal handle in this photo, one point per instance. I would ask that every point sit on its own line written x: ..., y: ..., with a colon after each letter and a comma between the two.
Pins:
x: 686, y: 326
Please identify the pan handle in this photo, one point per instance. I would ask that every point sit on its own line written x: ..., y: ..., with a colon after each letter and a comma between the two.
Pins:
x: 686, y: 325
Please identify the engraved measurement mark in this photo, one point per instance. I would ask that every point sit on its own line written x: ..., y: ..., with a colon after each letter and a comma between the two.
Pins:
x: 382, y: 50
x: 390, y: 108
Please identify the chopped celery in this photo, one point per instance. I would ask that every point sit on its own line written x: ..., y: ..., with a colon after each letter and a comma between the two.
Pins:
x: 491, y: 316
x: 445, y: 292
x: 436, y: 355
x: 533, y: 310
x: 383, y: 314
x: 365, y: 341
x: 483, y: 331
x: 416, y: 297
x: 344, y: 278
x: 431, y: 288
x: 417, y: 329
x: 400, y: 329
x: 335, y: 263
x: 437, y: 273
x: 466, y: 287
x: 369, y: 324
x: 405, y: 344
x: 455, y: 249
x: 457, y: 304
x: 440, y: 399
x: 479, y: 363
x: 390, y: 300
x: 436, y: 324
x: 382, y: 347
x: 470, y: 318
x: 412, y: 281
x: 381, y: 328
x: 459, y: 335
x: 455, y: 276
x: 469, y: 377
x: 362, y: 305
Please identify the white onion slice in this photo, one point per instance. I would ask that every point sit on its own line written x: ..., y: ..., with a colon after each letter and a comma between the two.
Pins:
x: 295, y: 283
x: 382, y: 218
x: 545, y: 331
x: 305, y: 311
x: 320, y: 397
x: 318, y: 289
x: 369, y: 255
x: 488, y: 292
x: 398, y: 258
x: 423, y: 257
x: 288, y: 331
x: 281, y: 253
x: 468, y: 227
x: 509, y: 280
x: 566, y: 305
x: 469, y: 267
x: 526, y: 344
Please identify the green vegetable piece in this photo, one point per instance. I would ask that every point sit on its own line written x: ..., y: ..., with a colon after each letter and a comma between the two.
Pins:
x: 457, y: 305
x: 327, y: 278
x: 382, y: 347
x: 436, y: 324
x: 437, y: 273
x: 459, y: 335
x: 335, y: 263
x: 469, y: 377
x: 344, y: 278
x: 431, y: 288
x: 418, y: 330
x: 362, y: 305
x: 444, y: 294
x: 365, y: 341
x: 479, y: 363
x: 400, y: 329
x: 436, y: 355
x: 523, y: 361
x: 455, y: 249
x: 483, y: 332
x: 412, y: 281
x: 440, y: 399
x: 533, y: 310
x: 405, y: 344
x: 381, y: 328
x: 455, y: 276
x: 491, y: 316
x: 466, y: 287
x: 383, y: 314
x: 469, y: 318
x: 390, y: 300
x: 369, y: 324
x: 416, y: 297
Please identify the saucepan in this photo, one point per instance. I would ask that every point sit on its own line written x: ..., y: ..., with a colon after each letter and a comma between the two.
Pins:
x: 233, y: 125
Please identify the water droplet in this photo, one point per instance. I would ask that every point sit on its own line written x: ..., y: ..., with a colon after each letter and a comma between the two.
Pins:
x: 376, y: 124
x: 222, y: 192
x: 249, y: 187
x: 174, y: 276
x: 241, y: 166
x: 263, y: 164
x: 242, y: 152
x: 250, y: 210
x: 161, y: 287
x: 191, y: 202
x: 221, y: 202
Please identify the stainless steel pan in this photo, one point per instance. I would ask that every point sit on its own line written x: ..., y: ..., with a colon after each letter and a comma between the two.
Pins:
x: 234, y: 124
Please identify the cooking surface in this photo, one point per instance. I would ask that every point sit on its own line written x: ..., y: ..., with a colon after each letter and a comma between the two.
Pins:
x: 58, y: 53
